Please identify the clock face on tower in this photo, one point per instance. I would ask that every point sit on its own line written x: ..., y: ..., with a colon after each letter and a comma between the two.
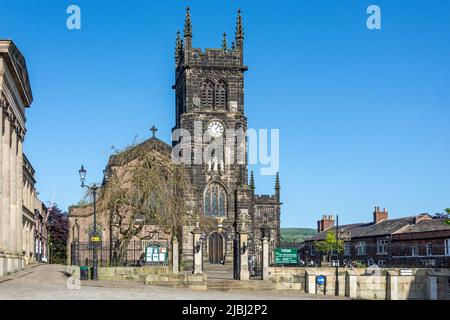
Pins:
x: 215, y: 129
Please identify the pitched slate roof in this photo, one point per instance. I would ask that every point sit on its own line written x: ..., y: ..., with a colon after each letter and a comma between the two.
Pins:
x: 149, y: 144
x: 154, y: 144
x: 427, y: 226
x: 359, y: 230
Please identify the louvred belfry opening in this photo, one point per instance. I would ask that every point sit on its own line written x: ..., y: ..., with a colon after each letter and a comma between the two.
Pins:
x: 221, y: 95
x: 207, y: 94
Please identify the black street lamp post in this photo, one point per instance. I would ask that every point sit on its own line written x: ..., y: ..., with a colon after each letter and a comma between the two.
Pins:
x: 94, y: 188
x: 336, y: 262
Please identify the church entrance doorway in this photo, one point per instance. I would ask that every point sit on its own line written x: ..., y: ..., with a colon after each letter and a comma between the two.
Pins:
x: 215, y: 245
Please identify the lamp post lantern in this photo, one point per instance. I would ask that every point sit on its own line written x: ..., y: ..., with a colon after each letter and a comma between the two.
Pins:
x: 95, y: 238
x: 82, y: 173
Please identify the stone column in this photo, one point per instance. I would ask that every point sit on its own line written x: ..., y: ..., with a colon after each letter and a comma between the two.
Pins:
x: 229, y: 252
x: 5, y: 185
x: 31, y: 241
x: 197, y: 252
x: 392, y: 285
x: 2, y: 223
x: 24, y: 236
x: 187, y: 245
x: 432, y: 287
x: 14, y: 228
x: 244, y: 272
x: 26, y: 242
x: 2, y: 115
x: 310, y: 284
x: 19, y: 197
x: 2, y: 265
x: 265, y: 258
x: 350, y: 284
x: 175, y: 255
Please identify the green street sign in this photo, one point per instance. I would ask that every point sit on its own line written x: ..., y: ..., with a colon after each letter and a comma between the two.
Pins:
x: 286, y: 256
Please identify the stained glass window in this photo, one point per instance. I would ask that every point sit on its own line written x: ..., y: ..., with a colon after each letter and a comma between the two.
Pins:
x: 208, y: 204
x: 215, y: 200
x: 214, y: 204
x: 222, y: 204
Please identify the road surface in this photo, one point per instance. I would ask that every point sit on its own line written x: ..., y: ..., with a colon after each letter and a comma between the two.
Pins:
x: 50, y: 283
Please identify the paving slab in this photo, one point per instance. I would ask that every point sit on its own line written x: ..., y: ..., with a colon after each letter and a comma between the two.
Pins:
x: 49, y: 282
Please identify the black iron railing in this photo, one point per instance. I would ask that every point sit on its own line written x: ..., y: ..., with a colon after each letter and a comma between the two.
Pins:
x: 136, y: 253
x: 411, y: 254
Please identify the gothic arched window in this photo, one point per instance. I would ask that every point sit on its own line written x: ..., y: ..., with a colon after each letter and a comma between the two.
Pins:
x: 222, y: 204
x: 207, y: 94
x: 215, y: 200
x: 221, y: 95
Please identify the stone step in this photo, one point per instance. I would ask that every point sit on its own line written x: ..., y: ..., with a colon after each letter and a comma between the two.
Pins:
x: 217, y: 267
x: 233, y: 285
x: 185, y: 280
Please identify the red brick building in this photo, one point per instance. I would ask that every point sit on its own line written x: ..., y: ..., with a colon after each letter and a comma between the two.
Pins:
x: 416, y: 241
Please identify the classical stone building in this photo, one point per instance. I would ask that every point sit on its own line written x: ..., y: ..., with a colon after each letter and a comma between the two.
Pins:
x: 41, y: 245
x: 28, y: 207
x: 209, y: 98
x: 34, y: 228
x: 15, y: 97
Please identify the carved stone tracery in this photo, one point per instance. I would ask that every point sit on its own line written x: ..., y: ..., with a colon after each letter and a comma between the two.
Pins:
x: 217, y: 71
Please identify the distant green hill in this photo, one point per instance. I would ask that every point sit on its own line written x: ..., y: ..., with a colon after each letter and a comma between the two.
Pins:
x: 296, y: 234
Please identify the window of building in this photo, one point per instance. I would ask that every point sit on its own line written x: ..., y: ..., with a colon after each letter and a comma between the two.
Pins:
x: 221, y: 95
x: 447, y: 247
x: 415, y: 250
x: 429, y: 249
x: 361, y: 248
x: 382, y: 246
x: 222, y: 203
x: 448, y: 286
x: 381, y: 263
x: 207, y: 94
x: 347, y: 249
x: 215, y: 200
x: 312, y: 250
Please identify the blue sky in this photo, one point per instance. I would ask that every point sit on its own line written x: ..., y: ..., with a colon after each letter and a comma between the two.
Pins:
x: 363, y: 114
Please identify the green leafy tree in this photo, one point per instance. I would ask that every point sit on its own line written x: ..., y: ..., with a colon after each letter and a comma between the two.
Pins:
x: 144, y: 191
x: 329, y: 245
x: 83, y: 202
x: 58, y: 228
x: 448, y: 213
x: 296, y: 234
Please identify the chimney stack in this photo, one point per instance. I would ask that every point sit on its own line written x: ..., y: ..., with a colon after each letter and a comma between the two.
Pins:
x: 379, y: 215
x: 326, y: 223
x: 422, y: 216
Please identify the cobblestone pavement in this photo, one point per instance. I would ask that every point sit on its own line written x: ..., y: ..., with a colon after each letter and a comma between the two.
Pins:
x: 49, y: 282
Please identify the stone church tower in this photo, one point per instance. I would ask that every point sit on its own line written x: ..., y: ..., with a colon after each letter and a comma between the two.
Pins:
x: 209, y: 104
x: 209, y: 91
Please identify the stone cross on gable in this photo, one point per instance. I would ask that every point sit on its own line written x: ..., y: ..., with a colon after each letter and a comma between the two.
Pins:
x: 153, y: 130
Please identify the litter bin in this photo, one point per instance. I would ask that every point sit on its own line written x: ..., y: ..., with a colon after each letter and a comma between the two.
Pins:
x: 84, y: 273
